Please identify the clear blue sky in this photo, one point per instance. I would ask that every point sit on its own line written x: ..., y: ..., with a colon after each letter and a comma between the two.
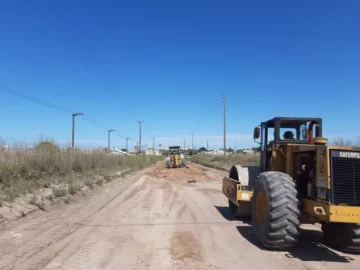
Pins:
x: 168, y: 62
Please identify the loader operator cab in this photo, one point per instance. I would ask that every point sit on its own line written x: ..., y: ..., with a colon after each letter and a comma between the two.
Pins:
x: 283, y: 131
x: 174, y: 152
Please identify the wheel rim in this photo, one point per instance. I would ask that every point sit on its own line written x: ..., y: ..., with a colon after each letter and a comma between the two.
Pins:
x: 261, y: 208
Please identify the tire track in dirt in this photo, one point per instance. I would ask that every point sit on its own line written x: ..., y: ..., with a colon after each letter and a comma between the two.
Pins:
x: 80, y: 243
x: 186, y: 251
x: 139, y: 205
x: 44, y: 233
x: 155, y: 223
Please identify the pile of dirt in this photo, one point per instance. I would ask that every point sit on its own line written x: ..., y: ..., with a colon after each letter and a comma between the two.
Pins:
x: 192, y: 173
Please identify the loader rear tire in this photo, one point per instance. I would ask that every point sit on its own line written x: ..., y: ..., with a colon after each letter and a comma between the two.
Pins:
x: 275, y: 212
x: 343, y: 236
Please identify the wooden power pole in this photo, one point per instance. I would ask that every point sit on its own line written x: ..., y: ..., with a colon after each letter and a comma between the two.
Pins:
x: 224, y: 101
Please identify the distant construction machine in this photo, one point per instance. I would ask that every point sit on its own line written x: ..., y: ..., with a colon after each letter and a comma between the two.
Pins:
x: 300, y: 180
x: 175, y: 160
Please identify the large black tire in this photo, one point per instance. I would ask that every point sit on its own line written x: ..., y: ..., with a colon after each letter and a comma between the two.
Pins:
x: 343, y: 236
x: 278, y: 226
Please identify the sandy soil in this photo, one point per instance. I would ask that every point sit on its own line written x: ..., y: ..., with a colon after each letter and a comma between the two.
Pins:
x: 154, y: 219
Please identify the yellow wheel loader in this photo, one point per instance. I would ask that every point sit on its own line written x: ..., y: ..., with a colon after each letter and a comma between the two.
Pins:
x: 300, y: 180
x: 174, y: 160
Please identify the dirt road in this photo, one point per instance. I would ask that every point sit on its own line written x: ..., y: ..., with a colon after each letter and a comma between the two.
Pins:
x: 154, y: 219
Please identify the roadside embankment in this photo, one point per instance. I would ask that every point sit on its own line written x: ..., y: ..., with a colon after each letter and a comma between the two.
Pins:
x: 33, y: 179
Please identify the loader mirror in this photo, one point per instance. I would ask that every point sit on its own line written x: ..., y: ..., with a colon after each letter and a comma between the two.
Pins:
x: 256, y: 133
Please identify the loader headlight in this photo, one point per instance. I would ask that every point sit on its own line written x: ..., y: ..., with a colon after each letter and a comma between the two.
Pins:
x: 245, y: 196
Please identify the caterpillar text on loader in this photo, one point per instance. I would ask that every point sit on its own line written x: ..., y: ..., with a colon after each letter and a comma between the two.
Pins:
x: 174, y: 160
x: 300, y: 180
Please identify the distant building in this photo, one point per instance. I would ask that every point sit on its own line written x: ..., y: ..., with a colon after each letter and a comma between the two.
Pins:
x: 149, y: 151
x: 249, y: 151
x: 116, y: 151
x: 215, y: 152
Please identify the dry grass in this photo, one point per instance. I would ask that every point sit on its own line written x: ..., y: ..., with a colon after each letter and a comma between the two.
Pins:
x: 225, y: 162
x: 24, y: 170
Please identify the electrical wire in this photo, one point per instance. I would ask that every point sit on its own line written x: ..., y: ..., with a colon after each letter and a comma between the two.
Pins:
x: 102, y: 70
x: 11, y: 91
x: 71, y: 39
x: 291, y: 44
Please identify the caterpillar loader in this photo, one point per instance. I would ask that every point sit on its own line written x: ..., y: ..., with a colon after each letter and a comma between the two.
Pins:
x: 174, y: 159
x: 300, y: 180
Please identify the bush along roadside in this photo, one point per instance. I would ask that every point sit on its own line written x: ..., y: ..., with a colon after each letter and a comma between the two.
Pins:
x: 31, y: 179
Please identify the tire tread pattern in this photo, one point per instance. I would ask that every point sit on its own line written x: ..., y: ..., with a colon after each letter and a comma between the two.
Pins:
x: 282, y: 228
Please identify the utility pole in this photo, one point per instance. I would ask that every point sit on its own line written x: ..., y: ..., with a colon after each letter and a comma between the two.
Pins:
x: 184, y: 146
x: 73, y: 128
x: 241, y: 141
x: 207, y: 145
x: 192, y: 139
x: 127, y: 150
x: 137, y: 146
x: 140, y: 122
x: 110, y: 130
x: 224, y: 101
x: 154, y: 146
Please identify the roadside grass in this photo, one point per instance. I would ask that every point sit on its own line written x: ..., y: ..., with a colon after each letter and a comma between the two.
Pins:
x: 26, y: 171
x: 224, y: 163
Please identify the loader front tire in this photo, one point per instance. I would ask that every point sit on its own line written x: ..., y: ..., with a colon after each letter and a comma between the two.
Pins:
x: 275, y: 212
x: 343, y: 236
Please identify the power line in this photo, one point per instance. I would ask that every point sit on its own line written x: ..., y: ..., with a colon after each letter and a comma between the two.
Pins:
x: 14, y: 92
x: 289, y: 42
x: 68, y: 38
x: 293, y: 43
x: 102, y: 68
x: 11, y: 91
x: 94, y: 122
x: 266, y: 53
